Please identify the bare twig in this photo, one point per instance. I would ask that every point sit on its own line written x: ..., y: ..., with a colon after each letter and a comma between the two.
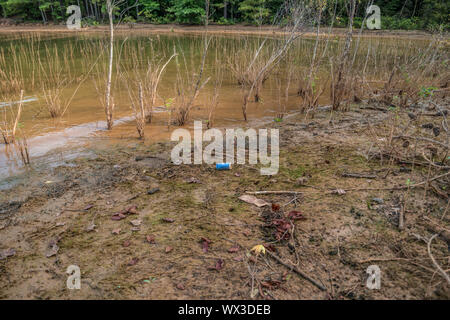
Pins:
x: 296, y: 270
x: 441, y: 271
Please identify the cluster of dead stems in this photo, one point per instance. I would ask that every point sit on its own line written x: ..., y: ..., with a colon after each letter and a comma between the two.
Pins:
x: 188, y: 84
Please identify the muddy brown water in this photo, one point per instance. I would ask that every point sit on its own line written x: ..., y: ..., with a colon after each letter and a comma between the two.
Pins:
x: 83, y: 124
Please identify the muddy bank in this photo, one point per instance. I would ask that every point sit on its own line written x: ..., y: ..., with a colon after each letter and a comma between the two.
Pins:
x: 140, y: 227
x: 212, y: 29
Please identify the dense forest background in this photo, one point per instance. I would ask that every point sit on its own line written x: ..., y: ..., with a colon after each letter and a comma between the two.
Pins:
x: 395, y: 14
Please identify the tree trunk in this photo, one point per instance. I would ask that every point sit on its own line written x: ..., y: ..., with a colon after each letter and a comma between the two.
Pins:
x: 42, y: 13
x: 86, y: 7
x: 225, y: 4
x: 109, y: 105
x: 92, y: 9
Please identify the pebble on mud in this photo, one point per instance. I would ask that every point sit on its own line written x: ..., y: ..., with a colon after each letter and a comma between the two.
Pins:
x: 153, y: 190
x: 378, y: 200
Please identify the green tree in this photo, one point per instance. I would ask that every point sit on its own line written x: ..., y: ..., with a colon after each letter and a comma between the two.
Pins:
x: 254, y: 11
x: 150, y: 10
x: 188, y: 11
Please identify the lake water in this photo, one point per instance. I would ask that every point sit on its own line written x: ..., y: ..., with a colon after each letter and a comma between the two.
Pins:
x: 75, y: 63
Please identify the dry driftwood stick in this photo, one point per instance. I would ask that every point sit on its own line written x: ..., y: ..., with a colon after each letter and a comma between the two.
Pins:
x: 273, y: 192
x: 359, y: 175
x: 401, y: 219
x: 302, y: 274
x: 424, y: 139
x: 351, y: 189
x: 437, y: 266
x: 400, y: 187
x: 394, y: 260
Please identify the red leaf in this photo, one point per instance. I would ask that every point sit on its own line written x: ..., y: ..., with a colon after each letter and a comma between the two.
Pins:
x: 296, y: 215
x: 132, y: 210
x: 275, y: 207
x: 218, y: 266
x: 180, y: 286
x: 118, y: 216
x: 150, y: 239
x: 133, y: 261
x: 126, y: 243
x: 205, y: 244
x: 233, y: 249
x: 271, y: 284
x: 168, y: 249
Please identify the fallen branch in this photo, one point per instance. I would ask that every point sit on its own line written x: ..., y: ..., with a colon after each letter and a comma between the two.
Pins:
x: 273, y: 192
x: 401, y: 220
x: 438, y: 267
x: 359, y: 175
x: 423, y: 139
x: 393, y: 260
x: 302, y: 274
x: 352, y: 189
x: 402, y: 187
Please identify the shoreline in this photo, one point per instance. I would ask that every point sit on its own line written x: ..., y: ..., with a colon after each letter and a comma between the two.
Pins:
x: 212, y: 29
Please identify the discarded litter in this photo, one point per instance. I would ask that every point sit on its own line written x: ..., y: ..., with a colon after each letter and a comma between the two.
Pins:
x: 253, y: 200
x: 223, y: 166
x: 339, y: 191
x: 91, y: 227
x: 136, y: 222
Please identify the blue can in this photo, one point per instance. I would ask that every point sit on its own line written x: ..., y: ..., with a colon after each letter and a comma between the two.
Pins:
x: 223, y: 166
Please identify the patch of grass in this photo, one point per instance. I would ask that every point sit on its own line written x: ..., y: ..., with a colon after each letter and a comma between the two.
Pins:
x: 233, y: 205
x: 156, y: 219
x: 293, y: 173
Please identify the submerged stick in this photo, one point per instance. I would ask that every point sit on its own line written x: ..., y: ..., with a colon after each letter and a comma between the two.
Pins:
x: 18, y: 115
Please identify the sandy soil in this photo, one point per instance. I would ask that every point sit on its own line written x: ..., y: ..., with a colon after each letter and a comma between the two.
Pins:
x: 63, y: 217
